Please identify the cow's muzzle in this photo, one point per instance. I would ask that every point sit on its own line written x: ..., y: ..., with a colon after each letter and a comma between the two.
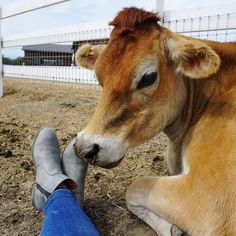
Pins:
x: 106, y: 152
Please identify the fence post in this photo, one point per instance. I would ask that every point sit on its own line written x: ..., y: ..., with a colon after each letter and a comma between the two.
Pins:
x: 1, y: 66
x: 160, y: 6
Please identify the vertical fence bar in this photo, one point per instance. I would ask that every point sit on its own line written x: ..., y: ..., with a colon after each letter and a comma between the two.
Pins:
x: 160, y: 6
x: 1, y: 66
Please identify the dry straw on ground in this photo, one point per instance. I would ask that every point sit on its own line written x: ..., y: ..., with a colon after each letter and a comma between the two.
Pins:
x: 67, y: 108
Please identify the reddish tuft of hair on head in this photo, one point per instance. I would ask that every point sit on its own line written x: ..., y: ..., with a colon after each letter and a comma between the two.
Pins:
x: 132, y: 16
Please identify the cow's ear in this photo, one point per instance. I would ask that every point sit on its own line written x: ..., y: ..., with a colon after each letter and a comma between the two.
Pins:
x: 193, y: 58
x: 87, y: 55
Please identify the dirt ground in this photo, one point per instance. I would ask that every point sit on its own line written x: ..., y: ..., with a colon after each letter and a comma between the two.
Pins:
x: 28, y: 105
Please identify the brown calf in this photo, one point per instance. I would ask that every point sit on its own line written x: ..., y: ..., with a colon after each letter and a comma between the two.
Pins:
x: 155, y: 80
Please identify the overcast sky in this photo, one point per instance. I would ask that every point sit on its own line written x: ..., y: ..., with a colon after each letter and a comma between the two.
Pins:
x: 78, y: 11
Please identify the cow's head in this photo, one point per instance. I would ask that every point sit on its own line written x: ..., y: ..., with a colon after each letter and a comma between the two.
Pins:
x: 141, y: 71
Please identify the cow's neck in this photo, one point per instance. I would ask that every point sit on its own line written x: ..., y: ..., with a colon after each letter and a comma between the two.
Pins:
x: 199, y: 93
x: 177, y: 130
x: 226, y: 51
x: 196, y: 102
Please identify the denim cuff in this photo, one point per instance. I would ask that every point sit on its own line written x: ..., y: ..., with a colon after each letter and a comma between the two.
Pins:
x: 59, y: 193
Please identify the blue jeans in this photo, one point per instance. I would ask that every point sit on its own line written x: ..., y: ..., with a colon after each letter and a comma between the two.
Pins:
x: 63, y: 216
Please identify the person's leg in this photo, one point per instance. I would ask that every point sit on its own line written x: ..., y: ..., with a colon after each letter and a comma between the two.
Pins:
x: 55, y: 191
x: 63, y: 216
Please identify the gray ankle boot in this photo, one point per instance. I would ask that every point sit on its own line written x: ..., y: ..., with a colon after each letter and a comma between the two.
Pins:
x: 76, y: 169
x: 46, y: 158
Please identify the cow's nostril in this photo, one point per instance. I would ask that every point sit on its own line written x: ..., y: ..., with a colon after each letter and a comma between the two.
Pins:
x: 91, y: 154
x: 95, y: 149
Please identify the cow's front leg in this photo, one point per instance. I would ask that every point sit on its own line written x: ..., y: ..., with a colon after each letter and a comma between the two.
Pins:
x: 153, y: 200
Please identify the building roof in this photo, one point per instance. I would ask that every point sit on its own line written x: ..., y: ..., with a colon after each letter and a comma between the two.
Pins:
x: 49, y: 48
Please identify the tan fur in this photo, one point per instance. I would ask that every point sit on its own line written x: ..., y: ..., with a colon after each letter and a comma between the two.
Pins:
x: 87, y: 54
x: 194, y: 103
x: 194, y: 59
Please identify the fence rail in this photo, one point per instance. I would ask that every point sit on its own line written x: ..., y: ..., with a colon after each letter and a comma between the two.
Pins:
x: 54, y: 73
x: 81, y: 32
x: 202, y: 24
x: 23, y: 6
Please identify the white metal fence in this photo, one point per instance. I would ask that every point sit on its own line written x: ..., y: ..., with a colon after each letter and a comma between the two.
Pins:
x: 214, y: 22
x: 94, y: 32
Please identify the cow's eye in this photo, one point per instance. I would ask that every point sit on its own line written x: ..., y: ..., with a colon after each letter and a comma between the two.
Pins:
x: 148, y: 79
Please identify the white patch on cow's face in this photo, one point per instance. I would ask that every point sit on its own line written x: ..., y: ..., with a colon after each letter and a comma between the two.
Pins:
x: 111, y: 149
